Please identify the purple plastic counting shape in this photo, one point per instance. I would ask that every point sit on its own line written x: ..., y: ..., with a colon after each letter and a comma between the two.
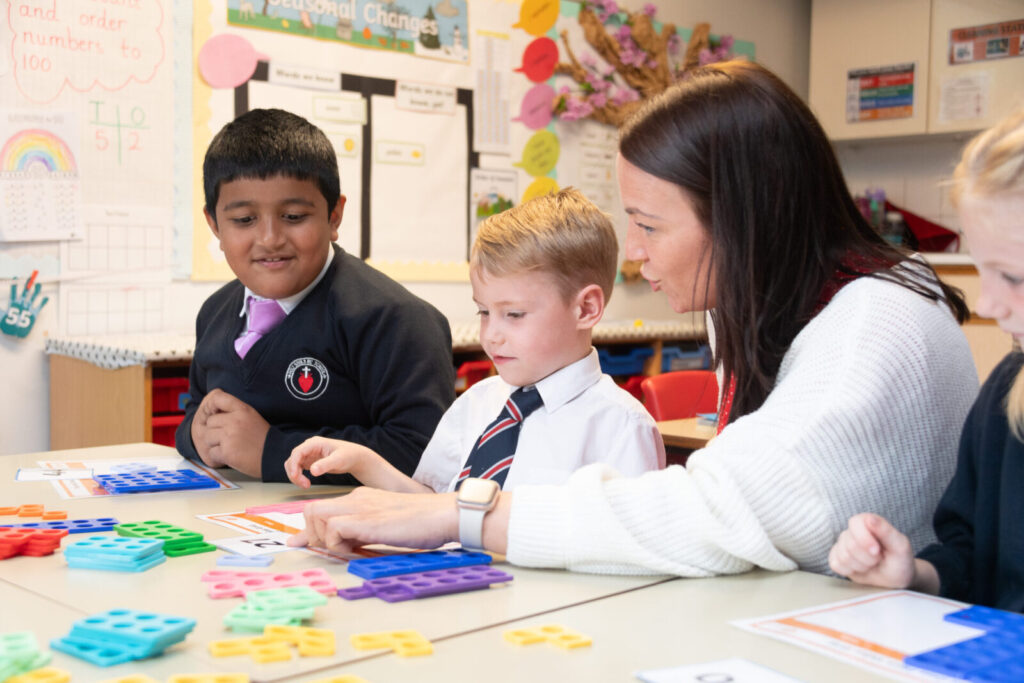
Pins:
x: 357, y: 593
x: 427, y: 584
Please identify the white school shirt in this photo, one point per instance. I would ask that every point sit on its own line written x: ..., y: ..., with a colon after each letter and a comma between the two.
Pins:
x: 288, y: 303
x: 586, y: 418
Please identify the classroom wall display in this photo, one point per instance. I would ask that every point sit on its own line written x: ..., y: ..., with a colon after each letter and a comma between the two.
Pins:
x: 422, y: 28
x: 87, y: 131
x: 405, y: 145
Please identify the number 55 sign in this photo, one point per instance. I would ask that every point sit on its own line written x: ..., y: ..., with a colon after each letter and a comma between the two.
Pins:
x: 20, y: 314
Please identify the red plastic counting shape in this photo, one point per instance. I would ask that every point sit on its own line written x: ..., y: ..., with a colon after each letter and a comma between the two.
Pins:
x: 31, y: 542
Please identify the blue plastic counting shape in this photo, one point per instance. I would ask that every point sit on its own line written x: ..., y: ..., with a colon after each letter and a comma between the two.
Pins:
x: 74, y: 526
x: 161, y: 480
x: 987, y: 618
x: 407, y: 563
x: 428, y: 584
x: 997, y: 655
x: 125, y: 467
x: 245, y: 560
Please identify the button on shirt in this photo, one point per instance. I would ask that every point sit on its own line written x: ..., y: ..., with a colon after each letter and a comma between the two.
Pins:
x: 586, y: 418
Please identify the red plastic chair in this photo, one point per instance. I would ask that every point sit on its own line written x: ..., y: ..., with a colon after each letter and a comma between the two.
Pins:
x: 679, y: 394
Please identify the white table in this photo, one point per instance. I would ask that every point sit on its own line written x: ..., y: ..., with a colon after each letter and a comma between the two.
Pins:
x: 174, y: 587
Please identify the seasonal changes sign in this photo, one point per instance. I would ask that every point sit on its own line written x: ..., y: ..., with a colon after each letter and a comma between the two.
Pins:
x: 425, y: 28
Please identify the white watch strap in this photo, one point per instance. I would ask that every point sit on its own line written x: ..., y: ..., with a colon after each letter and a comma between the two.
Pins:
x: 471, y: 528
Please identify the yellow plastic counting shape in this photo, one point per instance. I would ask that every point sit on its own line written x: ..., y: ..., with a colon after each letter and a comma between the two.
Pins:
x: 348, y: 678
x: 47, y: 674
x: 136, y: 678
x: 404, y: 643
x: 552, y: 633
x: 271, y: 652
x: 209, y: 678
x: 312, y: 642
x: 232, y: 647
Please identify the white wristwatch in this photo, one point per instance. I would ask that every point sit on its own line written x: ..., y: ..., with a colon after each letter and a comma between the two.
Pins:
x: 476, y: 497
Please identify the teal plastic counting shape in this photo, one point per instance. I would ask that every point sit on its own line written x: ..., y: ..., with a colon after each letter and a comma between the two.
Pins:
x: 105, y: 546
x: 144, y: 633
x: 94, y: 652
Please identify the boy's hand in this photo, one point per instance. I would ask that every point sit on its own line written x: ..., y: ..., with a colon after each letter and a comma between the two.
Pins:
x: 230, y: 432
x: 872, y: 551
x: 321, y: 455
x: 369, y: 515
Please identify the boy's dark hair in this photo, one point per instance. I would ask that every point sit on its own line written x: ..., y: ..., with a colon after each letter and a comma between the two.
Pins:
x: 267, y: 142
x: 766, y: 185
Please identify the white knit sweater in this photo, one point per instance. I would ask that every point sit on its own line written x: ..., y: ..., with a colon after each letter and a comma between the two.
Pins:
x: 865, y: 416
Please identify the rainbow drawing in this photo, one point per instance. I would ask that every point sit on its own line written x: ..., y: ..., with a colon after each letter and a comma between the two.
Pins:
x: 34, y: 147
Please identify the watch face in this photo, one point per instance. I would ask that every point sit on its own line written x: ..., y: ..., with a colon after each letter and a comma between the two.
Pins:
x: 478, y: 491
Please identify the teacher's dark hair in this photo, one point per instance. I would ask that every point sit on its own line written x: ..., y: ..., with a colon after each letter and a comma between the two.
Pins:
x: 764, y: 181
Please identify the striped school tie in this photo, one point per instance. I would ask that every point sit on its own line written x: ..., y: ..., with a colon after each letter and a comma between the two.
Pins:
x: 491, y: 457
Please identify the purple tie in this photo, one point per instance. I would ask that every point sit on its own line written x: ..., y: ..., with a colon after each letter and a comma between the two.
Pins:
x: 264, y: 315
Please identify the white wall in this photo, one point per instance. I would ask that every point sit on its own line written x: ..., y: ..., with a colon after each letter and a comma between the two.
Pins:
x: 912, y: 172
x: 780, y: 30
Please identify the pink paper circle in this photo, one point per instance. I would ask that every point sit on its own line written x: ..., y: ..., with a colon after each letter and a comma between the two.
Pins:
x: 535, y: 110
x: 227, y: 61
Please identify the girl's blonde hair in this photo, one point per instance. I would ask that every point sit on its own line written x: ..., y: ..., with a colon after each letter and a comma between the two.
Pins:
x: 992, y: 166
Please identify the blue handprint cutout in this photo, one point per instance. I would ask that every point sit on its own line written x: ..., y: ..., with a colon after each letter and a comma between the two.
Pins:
x: 21, y: 312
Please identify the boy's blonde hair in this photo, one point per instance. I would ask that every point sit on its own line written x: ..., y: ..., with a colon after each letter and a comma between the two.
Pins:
x: 562, y: 234
x: 992, y: 167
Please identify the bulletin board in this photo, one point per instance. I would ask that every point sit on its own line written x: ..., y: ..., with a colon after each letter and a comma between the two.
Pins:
x: 107, y: 111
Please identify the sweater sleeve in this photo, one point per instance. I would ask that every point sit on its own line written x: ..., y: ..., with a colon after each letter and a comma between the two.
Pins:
x: 402, y: 356
x: 954, y: 526
x: 859, y: 420
x: 970, y: 504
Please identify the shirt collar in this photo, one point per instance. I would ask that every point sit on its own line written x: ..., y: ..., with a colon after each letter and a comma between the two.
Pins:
x: 564, y: 385
x: 290, y: 302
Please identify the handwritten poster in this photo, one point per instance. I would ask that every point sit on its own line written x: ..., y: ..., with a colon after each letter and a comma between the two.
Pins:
x: 40, y: 190
x: 90, y: 124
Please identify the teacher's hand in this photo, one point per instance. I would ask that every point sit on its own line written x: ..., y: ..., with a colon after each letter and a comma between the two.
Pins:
x: 367, y: 515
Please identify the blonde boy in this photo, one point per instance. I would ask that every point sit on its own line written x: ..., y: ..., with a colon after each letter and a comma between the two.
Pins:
x: 541, y: 274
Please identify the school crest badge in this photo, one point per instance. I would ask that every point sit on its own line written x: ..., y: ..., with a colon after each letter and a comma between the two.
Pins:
x: 306, y: 378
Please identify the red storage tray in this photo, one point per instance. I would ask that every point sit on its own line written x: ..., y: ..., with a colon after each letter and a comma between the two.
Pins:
x: 164, y: 428
x: 169, y: 394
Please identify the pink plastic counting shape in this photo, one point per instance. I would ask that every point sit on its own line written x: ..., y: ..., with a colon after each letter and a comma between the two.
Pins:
x: 223, y: 586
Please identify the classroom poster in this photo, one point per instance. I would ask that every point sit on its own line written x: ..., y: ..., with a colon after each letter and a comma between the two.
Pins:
x: 40, y: 188
x: 991, y: 41
x: 880, y: 92
x: 423, y: 28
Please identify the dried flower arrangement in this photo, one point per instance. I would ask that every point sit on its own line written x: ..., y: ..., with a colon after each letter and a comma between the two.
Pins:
x: 638, y: 61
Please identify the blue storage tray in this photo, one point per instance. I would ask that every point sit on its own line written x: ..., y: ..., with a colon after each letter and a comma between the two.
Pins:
x: 627, y: 362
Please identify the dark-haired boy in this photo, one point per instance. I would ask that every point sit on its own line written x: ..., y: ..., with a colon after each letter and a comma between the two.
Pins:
x: 308, y: 340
